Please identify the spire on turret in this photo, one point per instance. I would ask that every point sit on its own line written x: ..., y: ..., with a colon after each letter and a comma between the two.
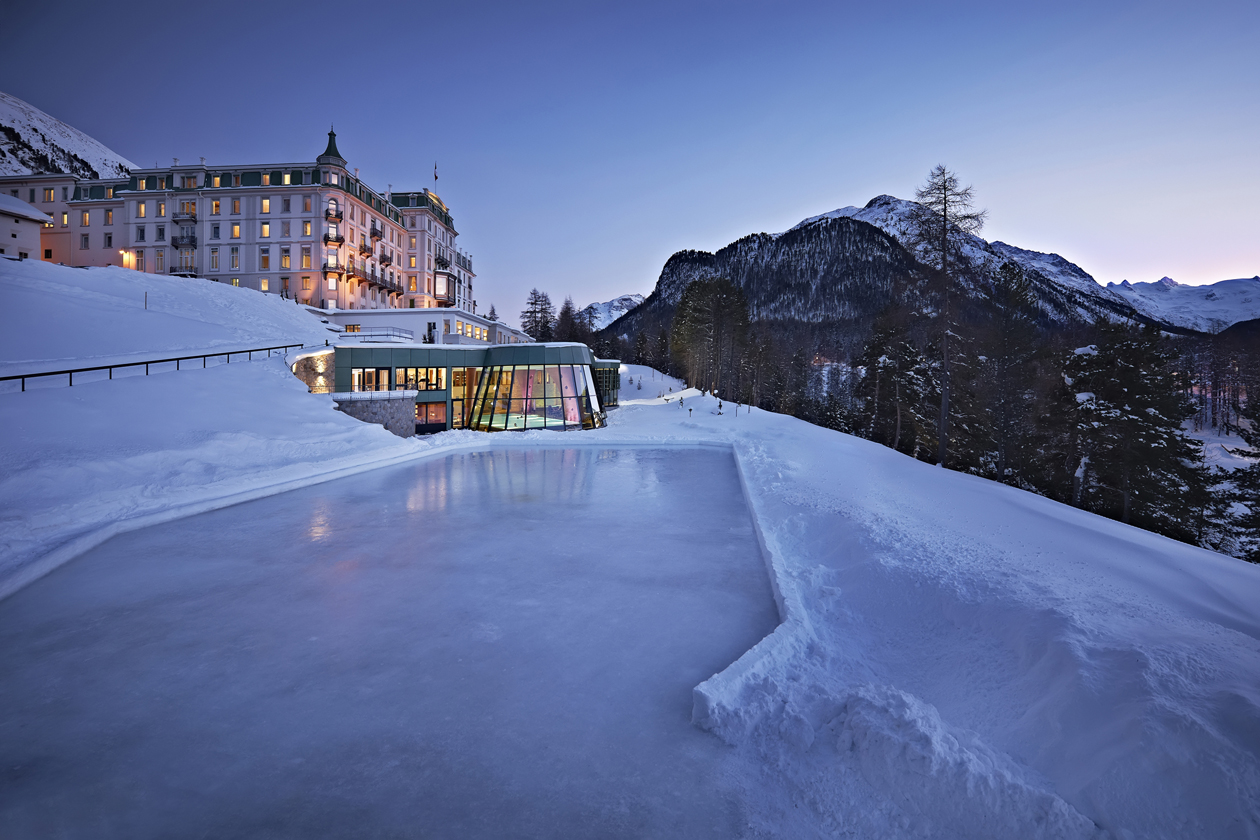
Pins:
x: 331, y: 154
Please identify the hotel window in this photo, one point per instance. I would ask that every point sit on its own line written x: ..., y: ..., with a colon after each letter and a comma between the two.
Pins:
x: 109, y: 192
x: 234, y: 258
x: 332, y: 283
x: 306, y: 256
x: 412, y: 244
x: 86, y: 220
x: 65, y: 193
x: 159, y: 260
x: 284, y: 284
x: 286, y: 183
x: 236, y: 230
x: 140, y: 233
x: 162, y: 207
x: 284, y: 228
x: 306, y: 204
x: 263, y: 284
x: 411, y: 283
x: 161, y: 184
x: 236, y: 206
x: 214, y: 259
x: 189, y: 182
x: 236, y: 182
x: 139, y: 259
x: 265, y: 232
x: 65, y: 219
x: 411, y: 261
x: 284, y: 202
x: 215, y: 181
x: 284, y: 256
x: 49, y: 194
x: 142, y: 183
x: 109, y: 240
x: 306, y: 284
x: 264, y: 258
x: 109, y: 217
x: 266, y: 179
x: 306, y: 228
x: 142, y: 209
x: 420, y: 379
x: 266, y: 204
x: 214, y: 231
x: 236, y: 281
x: 83, y: 242
x: 214, y: 207
x: 161, y: 234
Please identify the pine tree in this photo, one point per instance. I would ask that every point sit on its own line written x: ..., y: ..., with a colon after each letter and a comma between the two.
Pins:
x: 1134, y: 461
x: 940, y: 225
x: 493, y: 316
x: 566, y: 328
x: 1246, y: 524
x: 538, y: 317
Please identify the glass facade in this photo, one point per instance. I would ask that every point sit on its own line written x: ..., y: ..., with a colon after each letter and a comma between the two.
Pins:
x: 543, y: 396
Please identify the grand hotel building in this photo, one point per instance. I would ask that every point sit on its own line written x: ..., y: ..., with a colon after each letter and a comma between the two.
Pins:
x: 308, y: 230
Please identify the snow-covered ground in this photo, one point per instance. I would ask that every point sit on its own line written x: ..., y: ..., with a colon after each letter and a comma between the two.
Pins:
x: 956, y: 658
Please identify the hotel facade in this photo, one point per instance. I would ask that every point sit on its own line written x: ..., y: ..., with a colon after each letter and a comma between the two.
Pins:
x: 308, y: 230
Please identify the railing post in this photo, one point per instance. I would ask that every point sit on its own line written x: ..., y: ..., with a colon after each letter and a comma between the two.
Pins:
x: 71, y: 379
x: 146, y: 368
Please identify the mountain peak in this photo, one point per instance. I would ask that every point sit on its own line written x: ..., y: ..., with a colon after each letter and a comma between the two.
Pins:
x: 32, y: 142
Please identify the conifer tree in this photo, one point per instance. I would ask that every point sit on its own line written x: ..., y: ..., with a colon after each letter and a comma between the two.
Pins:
x: 538, y: 316
x: 492, y: 315
x: 566, y: 328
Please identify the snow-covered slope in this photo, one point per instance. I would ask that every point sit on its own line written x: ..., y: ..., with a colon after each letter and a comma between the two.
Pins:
x: 62, y: 317
x: 603, y: 314
x: 32, y: 142
x: 1209, y: 308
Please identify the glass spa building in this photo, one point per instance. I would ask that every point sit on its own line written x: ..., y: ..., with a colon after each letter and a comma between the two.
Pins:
x: 489, y: 389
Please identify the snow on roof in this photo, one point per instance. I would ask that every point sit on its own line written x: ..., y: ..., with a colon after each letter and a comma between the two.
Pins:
x: 11, y: 206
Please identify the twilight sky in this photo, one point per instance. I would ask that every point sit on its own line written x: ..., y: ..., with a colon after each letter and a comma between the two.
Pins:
x: 579, y: 145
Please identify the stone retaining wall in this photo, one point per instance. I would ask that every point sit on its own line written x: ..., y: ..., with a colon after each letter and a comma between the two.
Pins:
x: 395, y: 410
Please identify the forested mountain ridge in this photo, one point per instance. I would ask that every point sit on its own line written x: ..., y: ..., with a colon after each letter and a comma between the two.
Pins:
x: 32, y: 142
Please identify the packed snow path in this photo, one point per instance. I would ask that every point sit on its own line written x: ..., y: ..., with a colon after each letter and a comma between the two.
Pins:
x: 483, y: 645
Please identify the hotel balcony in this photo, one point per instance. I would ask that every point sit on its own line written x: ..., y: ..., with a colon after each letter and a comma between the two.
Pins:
x: 441, y: 262
x: 183, y: 270
x: 386, y: 259
x: 189, y: 241
x: 365, y: 249
x: 333, y: 268
x: 185, y: 218
x: 377, y: 233
x: 333, y: 238
x: 333, y: 215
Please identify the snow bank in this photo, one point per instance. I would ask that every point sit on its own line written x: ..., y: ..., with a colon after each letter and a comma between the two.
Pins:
x: 62, y: 317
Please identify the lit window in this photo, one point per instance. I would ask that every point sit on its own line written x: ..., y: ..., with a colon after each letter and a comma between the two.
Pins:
x: 412, y: 261
x: 49, y: 194
x: 215, y: 181
x: 306, y: 228
x: 142, y: 183
x: 266, y: 205
x: 332, y: 284
x: 139, y: 259
x: 236, y: 281
x: 286, y: 182
x: 234, y: 258
x: 109, y: 192
x: 159, y: 260
x: 161, y: 186
x: 236, y: 206
x: 306, y: 284
x: 214, y: 207
x: 284, y: 256
x: 236, y: 180
x: 109, y: 217
x: 162, y: 207
x: 142, y: 209
x: 306, y: 204
x: 65, y: 219
x: 87, y: 219
x: 263, y: 284
x: 264, y: 258
x: 214, y: 259
x: 266, y: 179
x: 412, y: 243
x: 411, y: 283
x: 266, y: 230
x: 236, y: 230
x: 306, y: 256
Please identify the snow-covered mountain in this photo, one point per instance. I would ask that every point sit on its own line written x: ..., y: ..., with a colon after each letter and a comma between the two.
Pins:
x: 603, y: 314
x: 1205, y: 308
x: 32, y: 142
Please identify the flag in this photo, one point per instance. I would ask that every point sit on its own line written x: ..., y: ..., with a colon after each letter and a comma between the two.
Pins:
x: 435, y: 172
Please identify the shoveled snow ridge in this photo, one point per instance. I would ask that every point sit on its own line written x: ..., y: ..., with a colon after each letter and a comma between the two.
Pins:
x: 32, y: 142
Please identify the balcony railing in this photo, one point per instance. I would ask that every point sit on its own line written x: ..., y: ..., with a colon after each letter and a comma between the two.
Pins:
x: 376, y: 233
x: 365, y: 249
x: 334, y: 215
x: 333, y: 268
x: 441, y: 262
x: 185, y: 217
x: 333, y: 237
x: 386, y: 259
x: 184, y: 270
x: 188, y: 241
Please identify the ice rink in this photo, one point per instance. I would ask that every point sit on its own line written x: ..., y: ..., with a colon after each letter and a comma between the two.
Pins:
x: 486, y: 645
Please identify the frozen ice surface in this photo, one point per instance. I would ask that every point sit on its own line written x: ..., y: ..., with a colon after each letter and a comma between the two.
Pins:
x: 487, y: 645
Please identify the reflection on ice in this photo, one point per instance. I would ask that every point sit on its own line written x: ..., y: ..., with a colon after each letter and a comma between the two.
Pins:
x: 492, y: 644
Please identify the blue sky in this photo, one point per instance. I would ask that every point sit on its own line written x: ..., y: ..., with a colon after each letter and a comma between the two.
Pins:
x: 579, y: 145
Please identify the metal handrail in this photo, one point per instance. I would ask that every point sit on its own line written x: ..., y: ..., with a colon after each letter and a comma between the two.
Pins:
x: 376, y: 233
x: 204, y: 356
